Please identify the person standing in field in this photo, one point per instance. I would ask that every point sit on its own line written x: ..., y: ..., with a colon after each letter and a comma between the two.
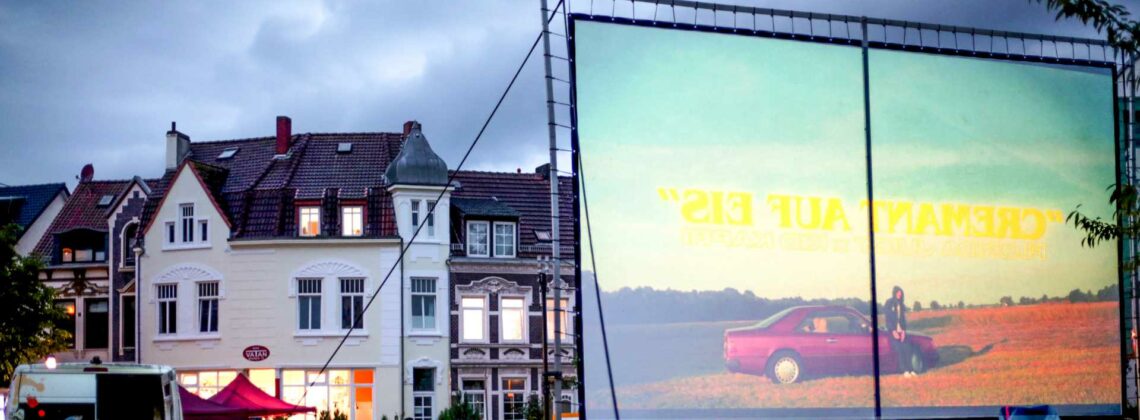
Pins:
x: 896, y: 326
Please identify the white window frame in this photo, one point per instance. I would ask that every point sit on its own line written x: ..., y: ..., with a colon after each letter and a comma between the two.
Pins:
x: 213, y: 300
x: 430, y: 395
x: 346, y: 228
x: 301, y: 300
x: 550, y: 319
x: 124, y: 241
x: 415, y: 214
x: 325, y: 380
x: 487, y: 244
x: 483, y: 319
x: 429, y: 218
x: 186, y: 225
x: 503, y: 392
x: 163, y: 308
x: 465, y: 394
x: 433, y: 293
x: 524, y: 314
x: 301, y: 221
x: 353, y: 294
x: 186, y: 222
x: 495, y: 240
x: 203, y: 231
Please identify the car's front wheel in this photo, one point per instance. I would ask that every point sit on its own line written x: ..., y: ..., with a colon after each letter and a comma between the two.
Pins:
x: 785, y: 368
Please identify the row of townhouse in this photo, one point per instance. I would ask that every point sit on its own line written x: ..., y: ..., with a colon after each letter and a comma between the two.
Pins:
x: 258, y: 256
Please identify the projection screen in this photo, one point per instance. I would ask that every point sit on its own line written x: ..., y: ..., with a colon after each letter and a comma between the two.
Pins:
x: 726, y: 178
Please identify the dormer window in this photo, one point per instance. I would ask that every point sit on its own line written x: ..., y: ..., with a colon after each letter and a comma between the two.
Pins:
x: 352, y: 220
x: 478, y: 239
x: 504, y: 239
x: 68, y: 255
x: 309, y: 221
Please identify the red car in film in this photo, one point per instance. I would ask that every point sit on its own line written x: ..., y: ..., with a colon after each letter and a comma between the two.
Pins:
x: 817, y: 341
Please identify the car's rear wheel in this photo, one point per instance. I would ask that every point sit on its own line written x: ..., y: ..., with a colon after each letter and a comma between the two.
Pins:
x: 785, y: 368
x: 917, y: 362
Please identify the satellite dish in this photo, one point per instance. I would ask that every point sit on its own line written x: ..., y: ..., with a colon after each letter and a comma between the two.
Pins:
x: 87, y: 173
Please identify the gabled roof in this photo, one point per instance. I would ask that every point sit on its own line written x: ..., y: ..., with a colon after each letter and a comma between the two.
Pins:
x: 528, y: 194
x: 82, y: 211
x: 209, y: 178
x: 31, y: 199
x: 256, y: 191
x: 137, y: 180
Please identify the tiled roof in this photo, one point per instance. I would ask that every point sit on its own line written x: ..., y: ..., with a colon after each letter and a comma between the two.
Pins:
x: 32, y: 199
x: 82, y: 211
x: 257, y: 191
x: 529, y: 195
x: 483, y: 207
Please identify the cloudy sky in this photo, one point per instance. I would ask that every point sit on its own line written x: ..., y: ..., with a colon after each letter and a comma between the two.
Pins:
x: 100, y: 81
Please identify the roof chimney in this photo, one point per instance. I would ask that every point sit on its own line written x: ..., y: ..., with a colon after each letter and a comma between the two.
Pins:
x: 408, y: 127
x: 87, y: 173
x: 177, y: 147
x: 544, y: 170
x: 284, y: 133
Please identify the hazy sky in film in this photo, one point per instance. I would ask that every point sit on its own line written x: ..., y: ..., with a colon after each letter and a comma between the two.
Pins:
x: 100, y: 81
x: 743, y: 118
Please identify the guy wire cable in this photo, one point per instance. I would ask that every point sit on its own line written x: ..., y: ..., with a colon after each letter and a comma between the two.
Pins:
x: 431, y: 211
x: 597, y: 286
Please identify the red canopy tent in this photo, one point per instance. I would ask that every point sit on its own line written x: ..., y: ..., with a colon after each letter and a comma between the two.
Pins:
x: 196, y: 408
x: 252, y: 401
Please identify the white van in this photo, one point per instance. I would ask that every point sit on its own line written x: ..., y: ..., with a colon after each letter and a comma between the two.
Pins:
x: 87, y: 391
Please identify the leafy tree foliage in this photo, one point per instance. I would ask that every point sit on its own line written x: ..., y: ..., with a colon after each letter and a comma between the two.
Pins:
x: 1098, y: 230
x: 1112, y: 19
x: 460, y: 410
x: 29, y: 315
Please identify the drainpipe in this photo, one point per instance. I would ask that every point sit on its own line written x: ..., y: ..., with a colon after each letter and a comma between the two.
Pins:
x: 403, y: 391
x: 138, y: 297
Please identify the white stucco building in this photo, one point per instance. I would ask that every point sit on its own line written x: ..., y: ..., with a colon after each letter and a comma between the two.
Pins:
x: 259, y: 256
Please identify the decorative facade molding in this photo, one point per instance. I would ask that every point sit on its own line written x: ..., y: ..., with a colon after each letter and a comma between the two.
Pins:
x: 424, y: 362
x: 333, y: 268
x: 488, y: 285
x: 468, y: 265
x: 473, y: 354
x: 187, y: 273
x: 514, y: 354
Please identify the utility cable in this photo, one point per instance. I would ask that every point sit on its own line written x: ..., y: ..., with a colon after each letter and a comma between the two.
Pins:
x: 430, y: 212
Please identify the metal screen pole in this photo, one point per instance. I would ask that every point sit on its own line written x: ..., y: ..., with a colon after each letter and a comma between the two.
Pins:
x: 555, y: 242
x: 871, y: 219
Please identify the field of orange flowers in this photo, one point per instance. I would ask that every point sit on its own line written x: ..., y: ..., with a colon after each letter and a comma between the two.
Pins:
x: 1056, y: 353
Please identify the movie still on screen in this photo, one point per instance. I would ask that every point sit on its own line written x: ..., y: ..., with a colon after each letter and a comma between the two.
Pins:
x: 769, y: 217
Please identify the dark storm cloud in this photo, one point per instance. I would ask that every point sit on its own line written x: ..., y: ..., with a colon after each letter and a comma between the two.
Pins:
x: 100, y: 82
